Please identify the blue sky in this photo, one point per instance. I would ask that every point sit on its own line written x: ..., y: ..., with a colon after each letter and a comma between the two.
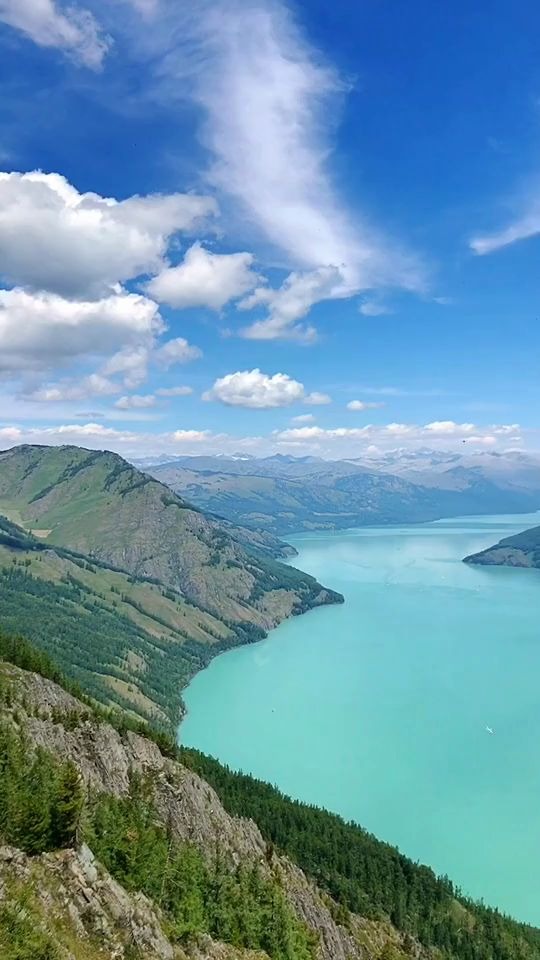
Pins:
x: 246, y: 221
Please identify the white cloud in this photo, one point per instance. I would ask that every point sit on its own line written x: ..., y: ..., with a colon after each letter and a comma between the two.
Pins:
x: 320, y: 433
x: 136, y: 401
x: 77, y: 433
x: 450, y: 427
x: 373, y: 308
x: 175, y: 351
x: 204, y: 279
x: 303, y: 418
x: 81, y: 245
x: 362, y: 405
x: 251, y: 388
x: 522, y: 228
x: 292, y: 302
x: 191, y: 436
x: 442, y: 434
x: 174, y: 391
x: 94, y: 385
x: 334, y: 443
x: 316, y: 399
x: 41, y: 330
x: 131, y: 363
x: 270, y: 106
x: 70, y: 28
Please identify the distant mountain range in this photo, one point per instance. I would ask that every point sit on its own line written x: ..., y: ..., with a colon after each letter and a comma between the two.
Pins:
x: 521, y: 550
x: 285, y: 494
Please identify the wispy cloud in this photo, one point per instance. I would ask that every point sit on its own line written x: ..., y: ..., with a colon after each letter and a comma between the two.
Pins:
x: 71, y: 28
x: 528, y: 226
x: 269, y: 104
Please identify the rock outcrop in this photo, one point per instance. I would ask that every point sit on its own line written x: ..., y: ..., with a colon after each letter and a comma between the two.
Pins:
x: 94, y: 903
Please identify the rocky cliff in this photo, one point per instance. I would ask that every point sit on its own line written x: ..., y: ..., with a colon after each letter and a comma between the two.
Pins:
x: 73, y: 899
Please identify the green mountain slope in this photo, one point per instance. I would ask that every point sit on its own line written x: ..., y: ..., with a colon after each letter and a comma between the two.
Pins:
x: 521, y: 550
x: 96, y: 503
x: 244, y: 864
x: 129, y: 642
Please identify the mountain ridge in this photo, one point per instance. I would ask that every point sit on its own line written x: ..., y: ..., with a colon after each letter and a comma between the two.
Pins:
x: 131, y: 589
x: 286, y: 494
x: 520, y: 550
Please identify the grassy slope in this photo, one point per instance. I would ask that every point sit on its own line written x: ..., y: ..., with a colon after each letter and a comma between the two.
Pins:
x: 521, y: 550
x: 130, y: 642
x: 96, y: 503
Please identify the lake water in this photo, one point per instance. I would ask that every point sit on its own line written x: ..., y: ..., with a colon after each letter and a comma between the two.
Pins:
x: 378, y: 709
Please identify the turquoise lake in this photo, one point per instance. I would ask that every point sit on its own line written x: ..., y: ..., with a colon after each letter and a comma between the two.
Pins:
x: 378, y: 709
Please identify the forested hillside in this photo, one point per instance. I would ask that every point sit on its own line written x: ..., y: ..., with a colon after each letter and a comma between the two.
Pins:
x: 98, y: 504
x: 521, y: 550
x: 130, y: 640
x: 159, y: 829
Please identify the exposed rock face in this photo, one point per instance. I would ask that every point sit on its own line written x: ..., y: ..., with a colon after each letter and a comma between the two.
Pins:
x: 58, y: 722
x: 89, y: 905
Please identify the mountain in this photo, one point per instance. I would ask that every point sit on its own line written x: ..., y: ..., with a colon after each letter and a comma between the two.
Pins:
x: 285, y: 494
x: 110, y: 846
x: 128, y: 586
x: 512, y: 477
x: 521, y: 550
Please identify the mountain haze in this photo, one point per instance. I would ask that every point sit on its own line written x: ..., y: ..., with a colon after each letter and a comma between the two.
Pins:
x: 285, y: 494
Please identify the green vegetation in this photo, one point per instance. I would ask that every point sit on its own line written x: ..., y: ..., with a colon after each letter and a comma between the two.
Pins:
x: 239, y: 906
x: 129, y: 589
x: 521, y: 550
x: 41, y: 799
x: 99, y: 640
x: 360, y: 872
x: 43, y: 808
x: 367, y: 876
x: 21, y: 937
x: 97, y: 505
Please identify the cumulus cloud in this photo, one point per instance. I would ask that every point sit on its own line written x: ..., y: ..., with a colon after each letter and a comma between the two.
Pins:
x: 363, y: 405
x: 191, y: 436
x: 81, y: 244
x: 136, y: 401
x: 177, y: 350
x: 317, y: 399
x: 180, y: 391
x: 333, y: 443
x: 290, y: 303
x: 131, y: 363
x: 438, y: 433
x: 41, y: 330
x: 66, y: 433
x: 251, y: 388
x: 204, y: 279
x: 71, y: 29
x: 94, y: 385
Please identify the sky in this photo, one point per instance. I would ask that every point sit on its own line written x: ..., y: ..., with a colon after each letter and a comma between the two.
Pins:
x: 247, y: 226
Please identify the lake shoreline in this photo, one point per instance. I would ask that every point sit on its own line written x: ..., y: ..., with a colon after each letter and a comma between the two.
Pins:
x: 380, y: 693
